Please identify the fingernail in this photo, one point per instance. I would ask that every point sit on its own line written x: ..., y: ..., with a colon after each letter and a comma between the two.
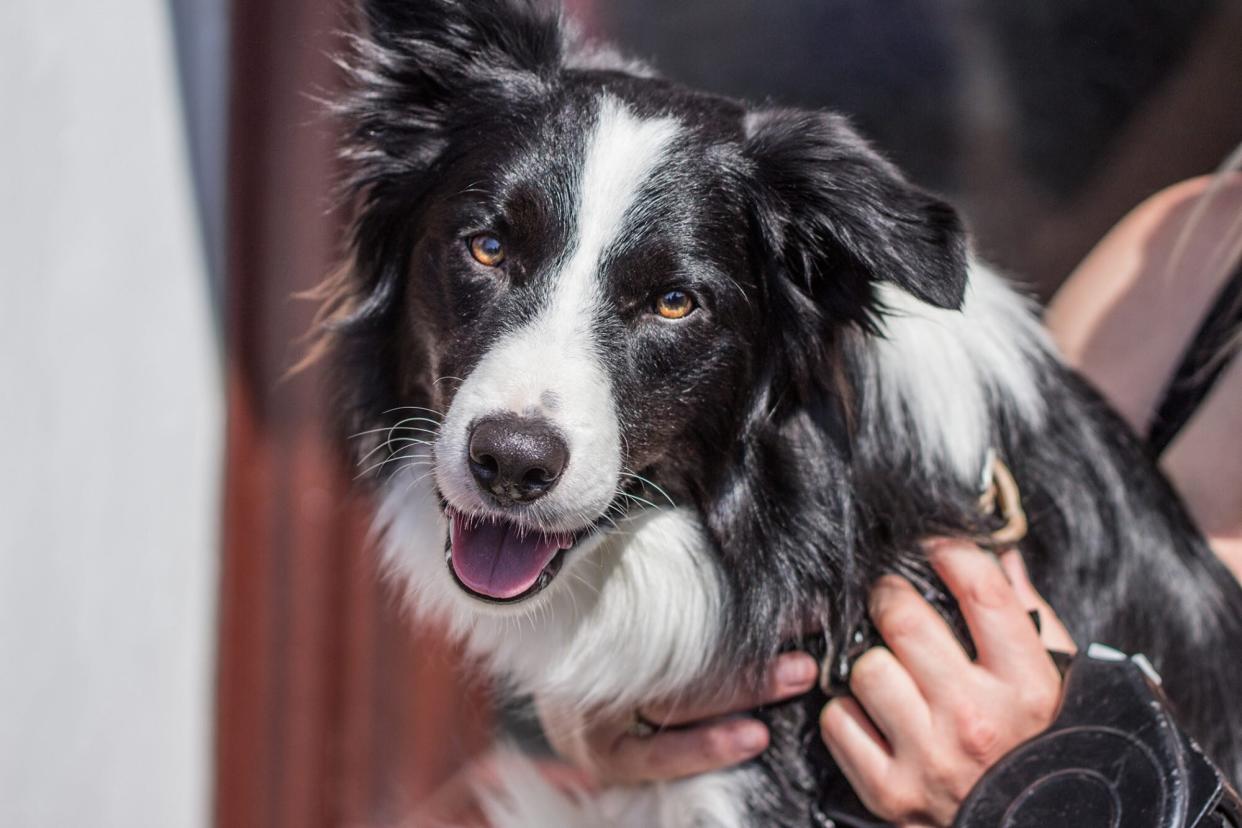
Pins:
x: 796, y: 671
x: 751, y: 738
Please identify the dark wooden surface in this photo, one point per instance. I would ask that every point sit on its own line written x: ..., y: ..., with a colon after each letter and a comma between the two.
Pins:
x: 332, y: 709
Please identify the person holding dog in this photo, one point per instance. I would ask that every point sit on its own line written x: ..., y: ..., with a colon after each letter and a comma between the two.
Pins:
x: 925, y: 721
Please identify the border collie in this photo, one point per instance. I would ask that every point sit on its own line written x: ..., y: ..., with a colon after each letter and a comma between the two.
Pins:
x: 649, y: 380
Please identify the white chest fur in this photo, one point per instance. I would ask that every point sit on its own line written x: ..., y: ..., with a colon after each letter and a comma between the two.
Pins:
x: 633, y: 616
x: 526, y: 800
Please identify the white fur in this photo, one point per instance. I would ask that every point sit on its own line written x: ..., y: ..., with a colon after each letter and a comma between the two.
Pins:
x: 632, y: 617
x: 550, y: 368
x: 943, y: 366
x: 525, y: 799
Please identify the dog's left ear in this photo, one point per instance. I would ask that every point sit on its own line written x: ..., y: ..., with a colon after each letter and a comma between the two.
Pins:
x: 839, y: 218
x: 418, y: 65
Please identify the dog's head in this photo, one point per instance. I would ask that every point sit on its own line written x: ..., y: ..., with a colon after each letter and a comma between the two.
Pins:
x: 575, y: 287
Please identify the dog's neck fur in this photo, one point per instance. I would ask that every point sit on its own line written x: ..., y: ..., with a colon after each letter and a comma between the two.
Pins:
x: 619, y: 631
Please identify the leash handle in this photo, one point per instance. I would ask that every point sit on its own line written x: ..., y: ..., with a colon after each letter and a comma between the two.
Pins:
x: 1114, y: 756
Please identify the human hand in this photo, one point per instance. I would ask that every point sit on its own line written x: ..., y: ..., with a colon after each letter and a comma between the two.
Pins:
x: 702, y: 735
x: 925, y: 722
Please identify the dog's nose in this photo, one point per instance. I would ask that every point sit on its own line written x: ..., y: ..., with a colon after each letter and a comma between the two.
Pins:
x: 518, y: 459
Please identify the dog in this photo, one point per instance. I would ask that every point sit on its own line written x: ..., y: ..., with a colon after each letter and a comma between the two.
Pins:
x: 650, y: 380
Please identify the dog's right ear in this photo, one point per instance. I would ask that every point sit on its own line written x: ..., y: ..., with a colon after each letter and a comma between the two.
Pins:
x: 415, y: 63
x: 417, y: 71
x: 841, y: 219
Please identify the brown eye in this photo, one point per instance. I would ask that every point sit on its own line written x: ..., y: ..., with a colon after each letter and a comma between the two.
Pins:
x: 487, y: 250
x: 675, y: 304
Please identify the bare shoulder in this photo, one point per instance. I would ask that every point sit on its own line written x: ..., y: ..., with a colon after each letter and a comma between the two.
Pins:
x: 1126, y: 315
x: 1127, y: 312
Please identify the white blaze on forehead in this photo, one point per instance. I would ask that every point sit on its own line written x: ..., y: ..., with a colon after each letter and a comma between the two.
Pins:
x: 621, y: 154
x: 551, y: 367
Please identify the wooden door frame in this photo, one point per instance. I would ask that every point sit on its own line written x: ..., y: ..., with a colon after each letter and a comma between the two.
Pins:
x: 331, y: 709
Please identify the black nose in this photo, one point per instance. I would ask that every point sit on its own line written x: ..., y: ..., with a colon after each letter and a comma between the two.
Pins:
x: 518, y: 459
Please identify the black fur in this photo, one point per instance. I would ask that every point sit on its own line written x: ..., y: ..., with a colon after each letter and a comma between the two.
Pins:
x: 785, y: 221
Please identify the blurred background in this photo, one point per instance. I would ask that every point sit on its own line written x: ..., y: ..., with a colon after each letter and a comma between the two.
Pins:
x: 193, y: 631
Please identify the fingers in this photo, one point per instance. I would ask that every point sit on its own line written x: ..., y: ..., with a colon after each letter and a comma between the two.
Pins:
x: 1051, y: 631
x: 789, y: 675
x: 601, y: 743
x: 688, y: 751
x: 916, y: 634
x: 1006, y: 640
x: 673, y: 754
x: 891, y: 697
x: 856, y: 746
x: 925, y: 722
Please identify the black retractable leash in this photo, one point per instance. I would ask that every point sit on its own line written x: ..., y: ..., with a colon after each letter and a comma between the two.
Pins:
x: 1114, y: 756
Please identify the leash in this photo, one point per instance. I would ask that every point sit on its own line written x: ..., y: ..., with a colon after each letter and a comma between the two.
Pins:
x: 1203, y: 362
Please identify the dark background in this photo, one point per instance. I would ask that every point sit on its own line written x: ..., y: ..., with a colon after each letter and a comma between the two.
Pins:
x: 1045, y: 121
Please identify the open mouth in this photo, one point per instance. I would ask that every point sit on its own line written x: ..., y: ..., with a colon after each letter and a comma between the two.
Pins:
x: 499, y: 561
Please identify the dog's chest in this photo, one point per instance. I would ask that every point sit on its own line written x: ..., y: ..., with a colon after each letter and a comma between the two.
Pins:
x: 525, y: 799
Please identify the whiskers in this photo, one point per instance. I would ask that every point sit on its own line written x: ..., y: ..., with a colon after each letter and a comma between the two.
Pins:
x: 625, y: 502
x: 407, y: 443
x: 648, y: 484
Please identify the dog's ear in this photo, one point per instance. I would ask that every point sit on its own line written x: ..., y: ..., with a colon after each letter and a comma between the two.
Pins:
x: 839, y: 218
x: 414, y: 63
x: 417, y: 61
x: 418, y: 74
x: 420, y: 71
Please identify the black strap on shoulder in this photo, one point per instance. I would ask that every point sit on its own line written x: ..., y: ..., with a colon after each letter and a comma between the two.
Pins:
x: 1203, y: 361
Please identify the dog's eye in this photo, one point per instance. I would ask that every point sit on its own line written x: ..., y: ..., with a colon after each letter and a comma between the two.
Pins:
x: 675, y: 304
x: 487, y: 250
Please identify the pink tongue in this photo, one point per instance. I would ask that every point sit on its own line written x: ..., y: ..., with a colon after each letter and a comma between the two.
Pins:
x: 496, y: 560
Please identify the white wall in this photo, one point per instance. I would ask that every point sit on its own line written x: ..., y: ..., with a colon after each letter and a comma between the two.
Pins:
x: 110, y: 427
